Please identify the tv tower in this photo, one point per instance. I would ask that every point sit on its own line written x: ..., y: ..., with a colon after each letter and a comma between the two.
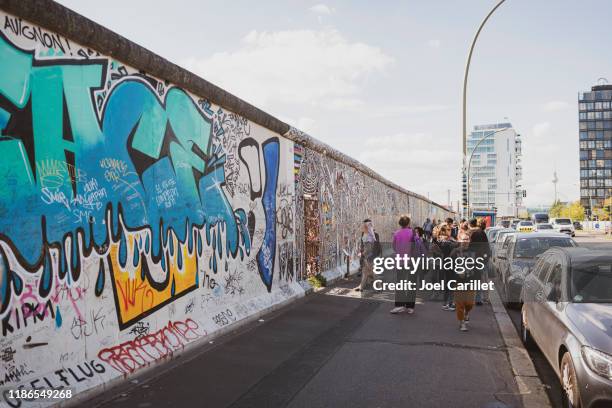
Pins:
x: 555, y: 180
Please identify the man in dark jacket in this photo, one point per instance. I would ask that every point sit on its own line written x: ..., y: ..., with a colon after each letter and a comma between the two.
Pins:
x: 479, y: 246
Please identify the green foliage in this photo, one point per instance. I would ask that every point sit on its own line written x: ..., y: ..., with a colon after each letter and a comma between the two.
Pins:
x: 555, y: 210
x: 574, y: 210
x: 317, y: 281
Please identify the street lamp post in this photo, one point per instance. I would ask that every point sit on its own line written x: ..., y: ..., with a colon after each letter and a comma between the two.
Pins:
x: 465, y: 80
x: 470, y: 164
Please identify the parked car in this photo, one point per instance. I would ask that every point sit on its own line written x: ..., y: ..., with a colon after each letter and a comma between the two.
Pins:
x: 525, y: 226
x: 492, y: 232
x: 567, y: 312
x: 498, y: 247
x: 504, y: 223
x: 563, y: 225
x: 519, y: 256
x: 544, y: 227
x: 577, y: 226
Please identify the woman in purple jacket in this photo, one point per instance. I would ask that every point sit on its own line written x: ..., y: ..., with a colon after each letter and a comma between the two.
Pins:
x: 404, y: 241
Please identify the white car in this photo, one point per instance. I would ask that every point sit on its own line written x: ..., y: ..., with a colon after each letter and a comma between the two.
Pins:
x: 564, y: 225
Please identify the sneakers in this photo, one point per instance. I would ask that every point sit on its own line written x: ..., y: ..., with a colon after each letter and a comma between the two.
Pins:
x: 409, y: 310
x: 450, y: 308
x: 462, y: 326
x: 399, y: 309
x: 445, y: 307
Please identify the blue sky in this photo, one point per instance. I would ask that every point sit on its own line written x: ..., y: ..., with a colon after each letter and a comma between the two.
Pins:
x: 382, y: 81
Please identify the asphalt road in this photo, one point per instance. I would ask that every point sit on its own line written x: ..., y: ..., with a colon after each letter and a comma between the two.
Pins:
x: 546, y: 373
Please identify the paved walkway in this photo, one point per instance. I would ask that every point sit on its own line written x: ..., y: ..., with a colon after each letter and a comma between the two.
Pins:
x: 337, y: 349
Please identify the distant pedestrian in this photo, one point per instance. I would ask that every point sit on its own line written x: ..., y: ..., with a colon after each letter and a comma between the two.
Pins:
x: 479, y: 245
x: 463, y: 232
x: 452, y: 228
x: 442, y: 249
x: 464, y: 299
x: 428, y: 228
x: 404, y: 241
x: 362, y: 234
x: 369, y: 249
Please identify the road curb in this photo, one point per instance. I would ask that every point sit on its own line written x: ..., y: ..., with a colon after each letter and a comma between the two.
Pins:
x: 531, y: 389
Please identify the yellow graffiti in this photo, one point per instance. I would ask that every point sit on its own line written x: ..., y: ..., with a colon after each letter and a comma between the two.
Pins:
x: 137, y: 296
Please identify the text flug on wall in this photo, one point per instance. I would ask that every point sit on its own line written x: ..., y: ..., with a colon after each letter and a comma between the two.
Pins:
x: 137, y: 217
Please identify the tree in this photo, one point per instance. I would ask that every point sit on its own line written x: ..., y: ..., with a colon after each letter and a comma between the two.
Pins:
x: 574, y: 210
x: 555, y: 209
x: 601, y: 214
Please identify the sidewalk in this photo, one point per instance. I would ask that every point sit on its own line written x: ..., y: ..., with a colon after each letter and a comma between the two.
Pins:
x: 334, y: 349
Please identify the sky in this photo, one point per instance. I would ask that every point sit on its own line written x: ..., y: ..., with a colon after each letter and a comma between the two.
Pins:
x: 382, y: 81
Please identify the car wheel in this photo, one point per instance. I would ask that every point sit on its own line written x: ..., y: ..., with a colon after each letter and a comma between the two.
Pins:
x: 525, y: 333
x: 569, y: 382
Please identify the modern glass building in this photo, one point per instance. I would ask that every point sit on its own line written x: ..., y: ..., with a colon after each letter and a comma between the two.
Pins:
x: 495, y: 169
x: 595, y: 133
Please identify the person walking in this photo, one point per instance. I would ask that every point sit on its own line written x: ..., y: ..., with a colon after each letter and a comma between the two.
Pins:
x: 442, y: 249
x: 404, y: 242
x: 369, y: 249
x: 428, y: 228
x: 464, y: 299
x: 479, y: 245
x: 454, y: 230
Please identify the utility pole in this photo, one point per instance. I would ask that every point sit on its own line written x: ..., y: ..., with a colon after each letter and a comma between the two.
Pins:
x: 466, y: 188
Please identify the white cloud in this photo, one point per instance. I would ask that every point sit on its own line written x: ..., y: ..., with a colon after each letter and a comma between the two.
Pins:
x: 413, y: 161
x: 555, y: 106
x: 434, y: 43
x: 309, y: 67
x: 541, y: 130
x: 322, y: 9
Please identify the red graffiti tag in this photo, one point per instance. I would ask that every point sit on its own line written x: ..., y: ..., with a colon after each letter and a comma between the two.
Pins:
x: 146, y: 349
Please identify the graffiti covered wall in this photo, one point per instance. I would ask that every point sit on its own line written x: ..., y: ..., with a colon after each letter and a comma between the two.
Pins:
x: 137, y: 218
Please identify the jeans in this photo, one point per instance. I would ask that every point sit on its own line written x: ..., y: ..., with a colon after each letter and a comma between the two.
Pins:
x: 367, y: 274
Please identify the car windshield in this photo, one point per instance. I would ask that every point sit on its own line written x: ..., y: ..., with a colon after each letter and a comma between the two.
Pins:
x: 532, y: 247
x: 492, y: 234
x: 592, y: 281
x: 526, y: 223
x: 545, y: 226
x: 563, y: 221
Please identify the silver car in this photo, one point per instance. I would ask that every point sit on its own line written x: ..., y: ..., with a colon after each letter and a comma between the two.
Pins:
x: 567, y: 312
x: 497, y: 245
x: 518, y: 255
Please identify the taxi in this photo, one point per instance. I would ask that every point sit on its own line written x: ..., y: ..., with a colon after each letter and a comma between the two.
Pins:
x: 525, y: 226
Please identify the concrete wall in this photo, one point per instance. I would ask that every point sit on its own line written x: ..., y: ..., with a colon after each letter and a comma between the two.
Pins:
x: 139, y: 214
